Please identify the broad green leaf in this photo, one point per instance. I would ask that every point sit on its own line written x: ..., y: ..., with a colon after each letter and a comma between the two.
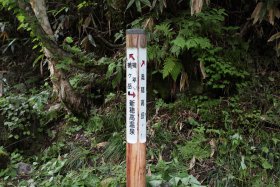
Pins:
x: 146, y: 2
x: 266, y: 164
x: 138, y: 5
x: 130, y: 4
x: 111, y: 69
x: 175, y: 181
x: 155, y: 183
x: 265, y: 149
x: 69, y: 39
x: 21, y: 18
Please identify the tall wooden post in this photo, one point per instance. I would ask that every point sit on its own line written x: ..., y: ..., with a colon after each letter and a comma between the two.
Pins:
x: 136, y: 70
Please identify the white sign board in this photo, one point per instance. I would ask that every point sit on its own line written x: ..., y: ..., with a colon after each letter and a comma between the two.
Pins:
x: 142, y: 93
x: 136, y: 76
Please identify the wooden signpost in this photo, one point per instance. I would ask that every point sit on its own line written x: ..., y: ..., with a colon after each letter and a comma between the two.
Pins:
x: 136, y: 80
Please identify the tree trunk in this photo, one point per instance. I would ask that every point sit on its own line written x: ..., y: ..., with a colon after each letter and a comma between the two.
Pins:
x: 61, y: 86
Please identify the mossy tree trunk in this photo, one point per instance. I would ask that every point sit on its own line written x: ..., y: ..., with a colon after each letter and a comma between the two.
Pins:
x: 36, y: 16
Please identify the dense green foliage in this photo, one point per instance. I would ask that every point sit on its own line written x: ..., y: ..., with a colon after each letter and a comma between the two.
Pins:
x: 184, y: 43
x: 213, y: 89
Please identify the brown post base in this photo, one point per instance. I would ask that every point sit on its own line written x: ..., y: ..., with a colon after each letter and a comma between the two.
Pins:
x: 136, y: 164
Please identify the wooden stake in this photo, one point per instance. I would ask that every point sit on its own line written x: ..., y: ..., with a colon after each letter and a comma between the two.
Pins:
x: 136, y: 68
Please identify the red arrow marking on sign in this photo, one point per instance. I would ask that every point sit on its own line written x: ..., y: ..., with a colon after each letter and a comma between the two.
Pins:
x: 132, y: 94
x: 131, y: 56
x: 143, y: 63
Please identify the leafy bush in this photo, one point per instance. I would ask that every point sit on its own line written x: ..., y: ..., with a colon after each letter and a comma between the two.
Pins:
x: 192, y: 47
x: 171, y: 174
x: 23, y: 116
x: 195, y: 147
x: 18, y: 117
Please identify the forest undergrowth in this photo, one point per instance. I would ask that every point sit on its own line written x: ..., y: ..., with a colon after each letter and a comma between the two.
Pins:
x: 213, y: 94
x: 193, y: 141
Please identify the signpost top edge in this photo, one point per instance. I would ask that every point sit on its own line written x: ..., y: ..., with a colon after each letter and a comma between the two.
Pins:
x: 135, y: 31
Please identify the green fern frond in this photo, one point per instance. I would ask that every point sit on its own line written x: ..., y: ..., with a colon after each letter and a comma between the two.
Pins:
x: 179, y: 41
x: 165, y: 29
x: 198, y: 42
x: 175, y: 50
x: 155, y: 52
x: 176, y: 70
x: 171, y: 67
x: 169, y: 64
x: 178, y: 45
